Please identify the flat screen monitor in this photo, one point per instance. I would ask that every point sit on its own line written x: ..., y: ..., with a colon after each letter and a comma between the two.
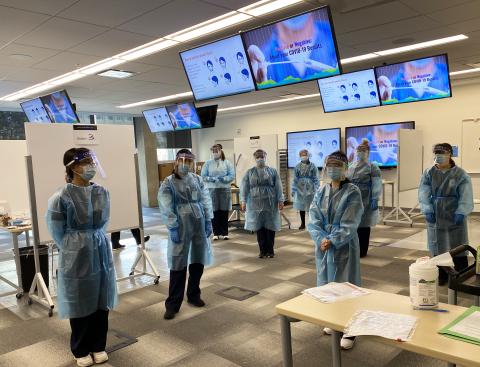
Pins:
x: 218, y: 69
x: 184, y: 116
x: 319, y: 143
x: 158, y: 120
x: 59, y: 107
x: 35, y: 111
x: 349, y: 91
x: 383, y: 139
x: 416, y: 80
x: 293, y: 50
x: 208, y: 115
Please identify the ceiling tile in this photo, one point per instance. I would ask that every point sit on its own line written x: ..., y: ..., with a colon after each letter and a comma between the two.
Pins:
x: 230, y: 4
x: 371, y: 16
x: 173, y: 17
x: 429, y: 6
x: 164, y: 75
x: 458, y: 13
x: 61, y: 34
x: 45, y: 6
x: 111, y: 42
x: 32, y: 76
x: 14, y: 23
x: 7, y: 87
x: 109, y: 12
x: 66, y: 61
x: 37, y: 54
x: 467, y: 26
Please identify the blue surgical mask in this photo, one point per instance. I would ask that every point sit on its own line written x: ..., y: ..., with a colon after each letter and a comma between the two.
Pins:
x: 260, y: 162
x: 441, y: 158
x: 89, y: 172
x: 183, y: 169
x: 362, y: 156
x: 335, y: 173
x: 217, y: 155
x: 296, y: 23
x: 304, y: 159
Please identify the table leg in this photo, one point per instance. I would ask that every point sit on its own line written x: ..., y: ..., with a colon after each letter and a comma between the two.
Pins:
x: 286, y: 341
x: 336, y: 353
x: 383, y: 200
x: 27, y: 237
x: 452, y: 296
x: 476, y: 300
x: 17, y: 261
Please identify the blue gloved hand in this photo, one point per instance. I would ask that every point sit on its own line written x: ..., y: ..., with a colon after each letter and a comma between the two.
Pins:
x: 430, y: 218
x: 174, y: 235
x: 458, y: 219
x: 208, y: 228
x: 293, y: 194
x: 374, y: 204
x: 223, y: 179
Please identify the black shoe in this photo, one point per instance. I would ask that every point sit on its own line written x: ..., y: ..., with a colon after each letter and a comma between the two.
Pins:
x: 302, y: 227
x: 197, y: 303
x: 261, y: 256
x: 270, y: 256
x: 118, y: 247
x: 169, y: 315
x: 145, y: 240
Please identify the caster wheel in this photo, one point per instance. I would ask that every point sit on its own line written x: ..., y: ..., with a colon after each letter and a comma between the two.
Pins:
x: 131, y: 273
x: 156, y: 281
x: 29, y: 301
x: 19, y: 295
x: 50, y: 313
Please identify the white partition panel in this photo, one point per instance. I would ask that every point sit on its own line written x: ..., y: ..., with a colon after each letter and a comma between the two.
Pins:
x: 410, y: 159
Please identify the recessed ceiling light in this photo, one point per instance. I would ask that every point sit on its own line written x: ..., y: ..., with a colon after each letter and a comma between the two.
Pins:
x: 466, y: 71
x: 20, y: 57
x: 119, y: 74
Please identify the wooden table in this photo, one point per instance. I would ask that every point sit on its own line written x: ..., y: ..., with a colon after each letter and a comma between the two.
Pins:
x: 15, y: 232
x: 425, y: 341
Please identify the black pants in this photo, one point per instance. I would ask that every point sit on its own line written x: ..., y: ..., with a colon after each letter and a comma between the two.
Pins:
x: 461, y: 262
x: 302, y: 217
x: 116, y: 237
x: 89, y: 334
x: 176, y: 288
x: 266, y: 241
x: 220, y: 222
x: 364, y: 239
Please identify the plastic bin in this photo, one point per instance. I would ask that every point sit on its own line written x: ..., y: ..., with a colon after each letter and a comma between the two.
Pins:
x: 27, y: 265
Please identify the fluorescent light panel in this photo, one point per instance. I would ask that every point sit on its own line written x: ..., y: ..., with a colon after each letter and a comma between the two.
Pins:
x: 156, y: 100
x: 119, y: 74
x: 268, y: 102
x: 265, y: 7
x: 466, y: 71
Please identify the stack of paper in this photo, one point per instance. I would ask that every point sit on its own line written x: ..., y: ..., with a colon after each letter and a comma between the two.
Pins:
x: 385, y: 324
x: 466, y: 327
x: 334, y: 292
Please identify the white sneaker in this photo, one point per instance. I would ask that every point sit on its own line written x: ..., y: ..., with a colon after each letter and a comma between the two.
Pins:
x: 100, y: 357
x: 347, y: 343
x: 220, y: 237
x: 85, y: 361
x: 327, y: 331
x: 226, y: 237
x: 215, y: 238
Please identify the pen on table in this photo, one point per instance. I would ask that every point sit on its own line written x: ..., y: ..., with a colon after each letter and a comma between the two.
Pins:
x: 433, y: 309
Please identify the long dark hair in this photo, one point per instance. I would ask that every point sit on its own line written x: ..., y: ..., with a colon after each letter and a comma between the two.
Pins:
x: 69, y: 156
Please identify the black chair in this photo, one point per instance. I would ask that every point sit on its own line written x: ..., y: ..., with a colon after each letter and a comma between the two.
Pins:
x: 466, y: 280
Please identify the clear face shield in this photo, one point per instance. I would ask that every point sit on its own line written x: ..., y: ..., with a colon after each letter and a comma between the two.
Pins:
x: 363, y: 153
x: 216, y: 152
x: 304, y: 156
x: 335, y: 169
x: 185, y: 163
x: 86, y: 163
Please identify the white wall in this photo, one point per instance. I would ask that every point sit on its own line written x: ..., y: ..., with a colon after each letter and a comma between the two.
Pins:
x: 440, y: 121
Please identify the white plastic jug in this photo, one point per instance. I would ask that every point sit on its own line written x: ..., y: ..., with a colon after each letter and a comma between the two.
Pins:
x: 423, y: 284
x: 4, y: 207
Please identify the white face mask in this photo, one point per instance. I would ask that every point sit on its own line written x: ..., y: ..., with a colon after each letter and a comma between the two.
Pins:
x: 304, y: 158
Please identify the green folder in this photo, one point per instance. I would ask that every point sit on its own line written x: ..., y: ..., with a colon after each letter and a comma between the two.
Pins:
x: 455, y: 334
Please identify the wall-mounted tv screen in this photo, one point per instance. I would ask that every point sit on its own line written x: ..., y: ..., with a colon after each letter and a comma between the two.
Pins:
x: 349, y: 91
x: 35, y: 111
x: 158, y: 120
x: 184, y: 116
x: 415, y: 80
x: 208, y: 115
x: 59, y: 107
x: 218, y: 69
x: 319, y: 143
x: 383, y: 139
x: 293, y: 50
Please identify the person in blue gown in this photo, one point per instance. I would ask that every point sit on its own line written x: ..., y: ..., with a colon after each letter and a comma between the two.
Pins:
x: 261, y: 196
x: 368, y: 178
x: 305, y: 184
x: 218, y: 173
x: 186, y: 209
x: 446, y: 199
x: 77, y: 217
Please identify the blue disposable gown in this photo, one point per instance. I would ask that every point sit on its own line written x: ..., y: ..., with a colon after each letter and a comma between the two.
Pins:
x: 185, y: 204
x: 367, y: 177
x: 335, y: 215
x: 217, y: 176
x: 261, y: 189
x: 76, y: 218
x: 446, y: 194
x: 305, y: 183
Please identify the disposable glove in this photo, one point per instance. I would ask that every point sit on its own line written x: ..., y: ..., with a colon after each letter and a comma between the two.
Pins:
x: 458, y: 219
x: 208, y: 228
x: 174, y: 235
x: 374, y: 204
x: 430, y: 218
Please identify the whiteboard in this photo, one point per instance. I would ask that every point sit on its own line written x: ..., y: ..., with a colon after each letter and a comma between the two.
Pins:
x: 470, y: 151
x: 244, y: 149
x: 14, y: 182
x: 115, y: 151
x: 410, y: 159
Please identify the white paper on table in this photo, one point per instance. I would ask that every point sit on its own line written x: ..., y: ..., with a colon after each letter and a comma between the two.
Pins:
x: 334, y: 292
x: 469, y: 326
x: 387, y: 325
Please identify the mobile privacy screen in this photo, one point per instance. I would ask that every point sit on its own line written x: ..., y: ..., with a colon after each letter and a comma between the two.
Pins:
x: 412, y: 81
x: 349, y: 91
x: 184, y: 116
x: 383, y: 140
x: 293, y: 50
x: 218, y: 69
x: 158, y: 120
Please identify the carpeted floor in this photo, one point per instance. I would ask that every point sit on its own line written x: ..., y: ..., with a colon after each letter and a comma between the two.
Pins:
x: 228, y: 332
